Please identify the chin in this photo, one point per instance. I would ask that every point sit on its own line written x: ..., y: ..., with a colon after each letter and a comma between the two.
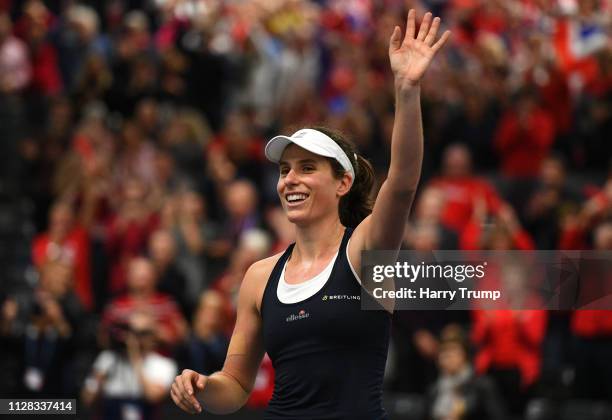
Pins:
x: 297, y: 218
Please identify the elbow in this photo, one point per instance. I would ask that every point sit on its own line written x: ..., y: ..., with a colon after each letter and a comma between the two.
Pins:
x: 236, y: 395
x: 402, y: 187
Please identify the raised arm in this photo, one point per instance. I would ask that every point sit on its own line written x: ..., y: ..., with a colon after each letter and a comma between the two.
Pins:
x: 227, y: 391
x: 409, y: 57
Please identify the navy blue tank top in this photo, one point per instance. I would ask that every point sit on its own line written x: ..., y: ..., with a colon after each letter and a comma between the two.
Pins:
x: 329, y: 355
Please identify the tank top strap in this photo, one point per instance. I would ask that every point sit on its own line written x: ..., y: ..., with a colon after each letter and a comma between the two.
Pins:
x: 274, y: 277
x: 272, y: 284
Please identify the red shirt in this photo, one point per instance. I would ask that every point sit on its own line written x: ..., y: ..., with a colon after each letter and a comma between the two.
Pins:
x: 522, y: 149
x: 74, y: 249
x: 459, y: 195
x: 160, y: 306
x: 126, y: 243
x: 263, y: 386
x: 470, y: 239
x: 592, y: 323
x: 509, y: 339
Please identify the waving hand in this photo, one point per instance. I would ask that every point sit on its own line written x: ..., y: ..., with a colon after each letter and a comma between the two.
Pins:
x: 411, y: 56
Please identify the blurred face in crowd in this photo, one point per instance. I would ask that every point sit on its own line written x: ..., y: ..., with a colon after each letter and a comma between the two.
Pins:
x: 514, y: 281
x: 603, y: 237
x: 500, y: 239
x: 142, y: 326
x: 425, y: 237
x: 147, y: 114
x: 61, y: 221
x: 134, y: 190
x: 241, y: 199
x: 141, y: 276
x: 430, y: 205
x: 307, y: 188
x: 209, y: 315
x: 552, y: 172
x: 452, y: 358
x: 164, y: 165
x: 132, y: 135
x: 457, y: 161
x: 162, y: 247
x: 192, y: 204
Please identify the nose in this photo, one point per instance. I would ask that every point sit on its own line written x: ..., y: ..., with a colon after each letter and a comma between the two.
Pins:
x: 291, y: 177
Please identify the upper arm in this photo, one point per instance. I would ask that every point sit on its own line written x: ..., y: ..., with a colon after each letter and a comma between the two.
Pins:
x: 246, y: 348
x: 384, y: 228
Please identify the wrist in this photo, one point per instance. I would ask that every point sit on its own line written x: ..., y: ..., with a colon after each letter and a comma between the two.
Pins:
x: 407, y: 86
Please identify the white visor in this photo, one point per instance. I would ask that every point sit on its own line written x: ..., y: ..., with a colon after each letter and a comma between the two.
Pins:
x: 314, y: 141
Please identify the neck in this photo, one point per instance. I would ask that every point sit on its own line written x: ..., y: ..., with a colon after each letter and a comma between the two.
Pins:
x: 317, y: 239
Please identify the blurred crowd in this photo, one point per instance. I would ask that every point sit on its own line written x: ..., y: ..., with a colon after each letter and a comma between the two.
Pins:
x: 132, y: 137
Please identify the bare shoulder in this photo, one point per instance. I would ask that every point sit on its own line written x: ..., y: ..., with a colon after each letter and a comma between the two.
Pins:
x: 256, y: 278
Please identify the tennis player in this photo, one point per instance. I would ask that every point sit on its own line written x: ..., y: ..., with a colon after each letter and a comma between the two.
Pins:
x: 303, y: 306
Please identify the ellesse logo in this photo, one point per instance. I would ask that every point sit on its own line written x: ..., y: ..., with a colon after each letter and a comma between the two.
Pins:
x: 302, y: 314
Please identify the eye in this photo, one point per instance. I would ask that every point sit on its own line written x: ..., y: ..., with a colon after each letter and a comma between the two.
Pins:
x: 284, y: 171
x: 308, y: 168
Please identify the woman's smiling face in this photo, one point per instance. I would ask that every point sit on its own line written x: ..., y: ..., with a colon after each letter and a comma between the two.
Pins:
x: 306, y: 186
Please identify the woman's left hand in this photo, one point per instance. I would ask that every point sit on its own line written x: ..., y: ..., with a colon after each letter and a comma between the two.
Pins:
x: 411, y: 57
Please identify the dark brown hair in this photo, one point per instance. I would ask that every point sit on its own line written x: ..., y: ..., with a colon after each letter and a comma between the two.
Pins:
x: 357, y: 204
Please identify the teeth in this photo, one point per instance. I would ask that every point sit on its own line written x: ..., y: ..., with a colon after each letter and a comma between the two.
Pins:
x: 295, y: 197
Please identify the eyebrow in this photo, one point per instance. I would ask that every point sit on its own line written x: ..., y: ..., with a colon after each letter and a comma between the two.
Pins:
x: 302, y: 161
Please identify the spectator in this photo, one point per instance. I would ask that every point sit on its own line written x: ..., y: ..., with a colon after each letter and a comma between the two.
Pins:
x: 45, y: 321
x: 551, y: 199
x: 253, y: 244
x: 128, y: 230
x: 197, y: 241
x: 15, y: 67
x: 509, y: 342
x: 459, y: 394
x: 460, y: 188
x: 136, y: 156
x: 170, y: 279
x: 142, y: 296
x: 67, y: 242
x: 427, y: 231
x: 241, y: 202
x: 130, y: 380
x: 524, y: 136
x: 207, y: 345
x: 33, y: 27
x: 592, y: 331
x: 504, y: 233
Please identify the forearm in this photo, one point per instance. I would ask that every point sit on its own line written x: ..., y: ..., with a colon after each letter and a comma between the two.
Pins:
x: 223, y: 394
x: 407, y: 138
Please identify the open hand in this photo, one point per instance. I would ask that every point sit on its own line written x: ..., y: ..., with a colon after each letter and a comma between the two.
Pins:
x: 411, y: 57
x: 184, y: 389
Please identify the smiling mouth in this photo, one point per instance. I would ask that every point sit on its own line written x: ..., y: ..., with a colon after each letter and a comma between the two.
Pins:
x: 295, y: 198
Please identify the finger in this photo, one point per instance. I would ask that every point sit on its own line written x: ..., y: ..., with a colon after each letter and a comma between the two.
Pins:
x: 201, y: 383
x: 433, y: 31
x: 178, y: 381
x: 181, y: 392
x: 183, y: 405
x: 424, y: 26
x: 394, y: 42
x: 441, y: 41
x: 174, y: 394
x: 191, y: 404
x: 410, y: 24
x: 187, y: 377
